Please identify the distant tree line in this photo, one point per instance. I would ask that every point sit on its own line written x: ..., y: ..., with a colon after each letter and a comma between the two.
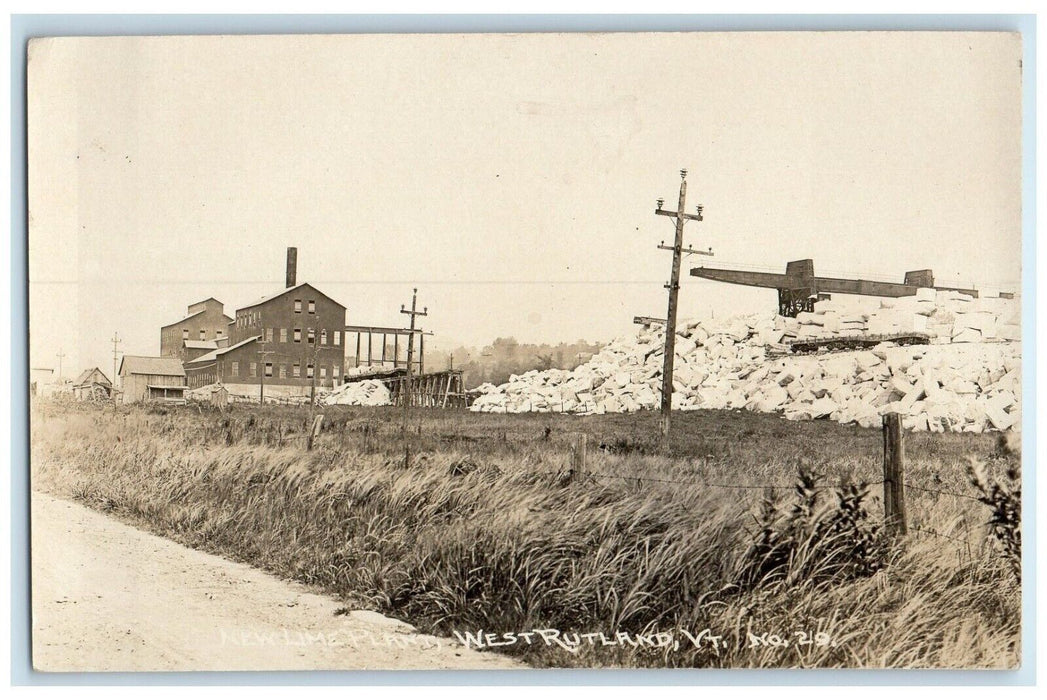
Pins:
x: 495, y: 363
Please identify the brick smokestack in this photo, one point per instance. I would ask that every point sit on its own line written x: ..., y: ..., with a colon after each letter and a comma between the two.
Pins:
x: 292, y: 267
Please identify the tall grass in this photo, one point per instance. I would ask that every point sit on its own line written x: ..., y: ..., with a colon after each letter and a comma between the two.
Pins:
x: 480, y: 532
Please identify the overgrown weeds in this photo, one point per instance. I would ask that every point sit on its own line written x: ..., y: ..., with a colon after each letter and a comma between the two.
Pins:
x: 479, y: 534
x: 818, y: 539
x: 1002, y: 492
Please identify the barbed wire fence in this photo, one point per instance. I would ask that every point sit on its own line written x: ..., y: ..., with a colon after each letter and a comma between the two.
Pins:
x: 893, y: 481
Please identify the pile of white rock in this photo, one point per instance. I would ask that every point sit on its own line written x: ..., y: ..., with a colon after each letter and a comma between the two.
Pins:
x: 960, y: 382
x: 947, y: 317
x: 369, y: 392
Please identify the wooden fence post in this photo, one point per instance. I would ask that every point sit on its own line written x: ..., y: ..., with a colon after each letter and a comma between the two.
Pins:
x: 581, y: 445
x: 314, y: 430
x: 894, y: 475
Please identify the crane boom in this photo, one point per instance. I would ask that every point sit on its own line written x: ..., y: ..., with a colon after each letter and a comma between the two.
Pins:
x: 798, y: 288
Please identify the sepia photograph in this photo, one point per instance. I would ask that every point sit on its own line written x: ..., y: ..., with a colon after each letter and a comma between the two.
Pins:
x: 632, y: 350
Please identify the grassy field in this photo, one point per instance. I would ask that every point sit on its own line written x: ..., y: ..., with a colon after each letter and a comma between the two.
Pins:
x: 487, y: 528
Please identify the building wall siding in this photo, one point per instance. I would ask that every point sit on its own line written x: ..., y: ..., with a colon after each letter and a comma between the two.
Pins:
x: 213, y: 322
x: 222, y: 370
x: 268, y: 318
x: 135, y: 386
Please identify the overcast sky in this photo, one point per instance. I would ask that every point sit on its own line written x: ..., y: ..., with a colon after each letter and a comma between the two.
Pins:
x: 511, y: 178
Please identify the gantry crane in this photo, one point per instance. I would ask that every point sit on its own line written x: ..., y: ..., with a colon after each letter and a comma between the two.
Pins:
x: 799, y: 288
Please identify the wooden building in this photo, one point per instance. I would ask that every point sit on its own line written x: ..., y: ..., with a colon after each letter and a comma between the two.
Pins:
x: 92, y: 384
x: 152, y: 379
x: 205, y: 328
x: 39, y: 377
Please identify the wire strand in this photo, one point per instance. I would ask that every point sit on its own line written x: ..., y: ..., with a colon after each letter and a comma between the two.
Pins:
x: 939, y: 534
x: 943, y: 491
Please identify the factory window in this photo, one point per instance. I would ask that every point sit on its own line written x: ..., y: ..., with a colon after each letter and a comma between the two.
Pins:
x: 338, y: 338
x: 283, y: 335
x: 254, y: 368
x: 203, y: 334
x: 236, y: 368
x: 296, y: 370
x: 298, y: 306
x: 268, y: 335
x: 334, y: 372
x: 297, y: 335
x: 323, y: 337
x: 185, y: 334
x: 312, y: 336
x: 312, y: 306
x: 309, y: 371
x: 268, y: 369
x: 219, y: 333
x: 283, y: 371
x: 323, y: 373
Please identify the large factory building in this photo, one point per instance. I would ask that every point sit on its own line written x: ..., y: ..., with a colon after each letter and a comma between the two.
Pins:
x: 292, y: 340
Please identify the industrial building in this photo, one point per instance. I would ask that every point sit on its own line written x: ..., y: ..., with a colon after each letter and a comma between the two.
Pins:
x: 292, y: 340
x: 204, y: 328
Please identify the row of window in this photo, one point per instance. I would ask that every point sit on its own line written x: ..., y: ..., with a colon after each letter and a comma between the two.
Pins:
x: 296, y: 370
x: 247, y: 318
x: 250, y: 318
x: 203, y: 334
x: 296, y: 334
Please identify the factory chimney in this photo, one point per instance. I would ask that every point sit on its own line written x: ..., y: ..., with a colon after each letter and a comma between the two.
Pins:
x: 292, y: 267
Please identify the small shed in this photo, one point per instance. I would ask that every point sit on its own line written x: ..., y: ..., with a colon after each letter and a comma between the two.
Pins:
x: 219, y: 396
x: 152, y: 379
x: 38, y: 377
x: 92, y: 384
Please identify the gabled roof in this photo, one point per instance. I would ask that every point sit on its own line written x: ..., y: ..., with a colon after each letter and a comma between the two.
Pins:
x: 190, y: 316
x: 85, y: 375
x: 163, y: 366
x: 214, y: 354
x: 282, y: 292
x: 194, y: 315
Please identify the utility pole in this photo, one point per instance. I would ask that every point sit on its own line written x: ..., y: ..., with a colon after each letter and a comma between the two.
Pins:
x: 116, y: 341
x: 264, y: 352
x: 674, y: 291
x: 313, y: 430
x: 60, y: 355
x: 312, y: 383
x: 406, y: 390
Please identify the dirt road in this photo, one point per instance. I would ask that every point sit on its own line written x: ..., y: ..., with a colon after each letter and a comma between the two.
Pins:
x: 109, y: 597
